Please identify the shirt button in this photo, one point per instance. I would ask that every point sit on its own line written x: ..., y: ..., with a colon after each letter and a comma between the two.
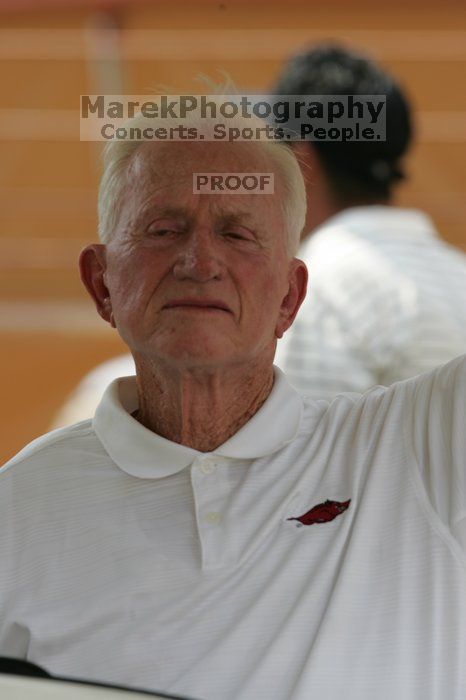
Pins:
x: 207, y: 466
x: 213, y: 518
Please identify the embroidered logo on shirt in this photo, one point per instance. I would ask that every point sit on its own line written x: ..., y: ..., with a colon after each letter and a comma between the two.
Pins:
x: 322, y: 512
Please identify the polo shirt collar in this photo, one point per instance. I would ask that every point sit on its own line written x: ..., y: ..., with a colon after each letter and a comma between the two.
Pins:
x: 142, y: 453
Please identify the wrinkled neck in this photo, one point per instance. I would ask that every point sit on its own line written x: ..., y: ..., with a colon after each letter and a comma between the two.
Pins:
x: 200, y: 408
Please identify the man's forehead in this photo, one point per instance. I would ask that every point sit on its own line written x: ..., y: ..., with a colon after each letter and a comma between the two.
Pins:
x: 176, y: 157
x: 162, y: 178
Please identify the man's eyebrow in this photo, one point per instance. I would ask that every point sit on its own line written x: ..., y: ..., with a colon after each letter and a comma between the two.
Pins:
x: 238, y: 217
x: 162, y: 211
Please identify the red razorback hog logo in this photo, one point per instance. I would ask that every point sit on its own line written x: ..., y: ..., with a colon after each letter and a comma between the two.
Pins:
x: 323, y: 512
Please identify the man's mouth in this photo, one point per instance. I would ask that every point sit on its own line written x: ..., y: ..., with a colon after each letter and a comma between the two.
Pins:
x: 198, y: 304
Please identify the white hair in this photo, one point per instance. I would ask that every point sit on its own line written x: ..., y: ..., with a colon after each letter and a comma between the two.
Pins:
x: 118, y: 157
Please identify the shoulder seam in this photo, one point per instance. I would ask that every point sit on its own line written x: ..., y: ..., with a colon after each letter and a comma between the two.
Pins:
x: 31, y: 449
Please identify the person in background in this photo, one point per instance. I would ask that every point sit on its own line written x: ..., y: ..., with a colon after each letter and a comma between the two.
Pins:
x: 387, y: 297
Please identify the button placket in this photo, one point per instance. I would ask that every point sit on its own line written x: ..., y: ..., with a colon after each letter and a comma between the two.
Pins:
x: 209, y: 486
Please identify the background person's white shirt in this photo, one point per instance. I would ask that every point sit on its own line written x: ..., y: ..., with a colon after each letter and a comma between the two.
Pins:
x: 131, y: 559
x: 386, y: 301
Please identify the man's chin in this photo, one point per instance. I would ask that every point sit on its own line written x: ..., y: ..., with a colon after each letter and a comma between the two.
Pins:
x: 194, y: 353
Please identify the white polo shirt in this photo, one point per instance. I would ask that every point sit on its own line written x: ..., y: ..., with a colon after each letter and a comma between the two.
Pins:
x: 318, y: 553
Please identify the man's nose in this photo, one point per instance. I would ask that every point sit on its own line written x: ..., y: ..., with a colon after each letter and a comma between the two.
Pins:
x: 198, y: 259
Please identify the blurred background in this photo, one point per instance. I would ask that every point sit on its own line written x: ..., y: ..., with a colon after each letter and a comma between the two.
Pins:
x: 51, y: 52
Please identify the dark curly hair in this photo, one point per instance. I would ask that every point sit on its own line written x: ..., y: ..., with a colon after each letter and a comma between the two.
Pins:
x: 357, y: 170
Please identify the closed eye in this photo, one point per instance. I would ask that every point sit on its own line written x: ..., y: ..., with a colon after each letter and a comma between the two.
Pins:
x: 237, y: 236
x: 163, y: 229
x: 161, y: 232
x: 241, y: 235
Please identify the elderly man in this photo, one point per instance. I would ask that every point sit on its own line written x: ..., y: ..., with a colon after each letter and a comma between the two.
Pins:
x: 211, y: 532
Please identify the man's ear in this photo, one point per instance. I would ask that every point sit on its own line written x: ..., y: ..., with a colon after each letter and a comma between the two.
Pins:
x: 92, y: 267
x: 297, y: 286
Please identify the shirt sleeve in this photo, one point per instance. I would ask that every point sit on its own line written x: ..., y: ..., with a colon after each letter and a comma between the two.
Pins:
x: 438, y: 434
